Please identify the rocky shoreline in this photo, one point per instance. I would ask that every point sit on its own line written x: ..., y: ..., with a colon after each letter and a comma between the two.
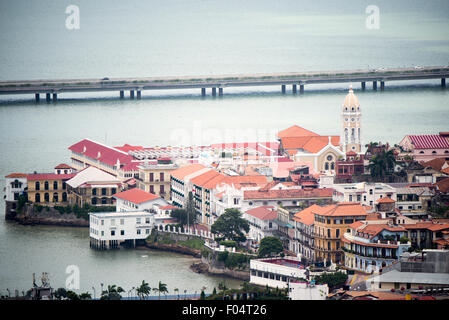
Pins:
x: 174, y: 248
x: 205, y: 268
x: 47, y: 216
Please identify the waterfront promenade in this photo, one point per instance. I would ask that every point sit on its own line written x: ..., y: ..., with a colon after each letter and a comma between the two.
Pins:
x: 52, y: 88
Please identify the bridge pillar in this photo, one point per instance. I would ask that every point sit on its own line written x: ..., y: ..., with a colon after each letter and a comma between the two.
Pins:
x: 301, y: 88
x: 55, y: 97
x: 443, y: 82
x: 214, y: 91
x: 203, y: 92
x: 131, y: 94
x: 382, y: 85
x: 374, y: 85
x: 37, y: 97
x: 47, y: 97
x: 122, y: 94
x: 294, y: 88
x: 139, y: 94
x: 283, y: 88
x: 363, y: 85
x: 220, y: 91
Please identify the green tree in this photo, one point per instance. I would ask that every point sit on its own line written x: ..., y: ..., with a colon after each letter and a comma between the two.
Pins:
x: 72, y: 295
x: 332, y: 279
x: 112, y: 293
x: 85, y: 296
x: 382, y: 164
x: 231, y: 225
x: 162, y: 288
x: 60, y: 293
x: 270, y: 246
x: 143, y: 290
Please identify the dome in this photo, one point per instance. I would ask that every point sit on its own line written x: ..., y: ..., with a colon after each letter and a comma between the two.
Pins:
x: 351, y: 100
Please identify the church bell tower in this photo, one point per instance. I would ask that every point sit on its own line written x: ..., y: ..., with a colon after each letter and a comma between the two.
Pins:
x: 351, y: 124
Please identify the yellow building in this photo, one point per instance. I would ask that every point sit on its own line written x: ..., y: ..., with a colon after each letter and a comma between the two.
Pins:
x: 155, y: 178
x: 48, y: 189
x: 331, y: 222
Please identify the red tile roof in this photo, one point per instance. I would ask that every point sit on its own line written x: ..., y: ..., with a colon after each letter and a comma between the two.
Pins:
x: 288, y: 194
x: 208, y: 179
x: 136, y: 195
x: 429, y: 141
x: 182, y: 172
x: 100, y: 152
x: 263, y: 213
x: 63, y: 166
x: 385, y: 200
x: 443, y: 185
x: 296, y: 131
x: 17, y: 175
x: 126, y: 148
x: 169, y: 207
x: 306, y: 216
x: 342, y: 209
x: 50, y: 176
x: 311, y: 144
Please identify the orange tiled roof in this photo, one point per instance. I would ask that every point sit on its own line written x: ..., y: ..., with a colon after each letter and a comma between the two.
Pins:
x: 443, y: 185
x: 136, y: 195
x: 247, y: 179
x: 63, y: 166
x: 263, y: 213
x: 436, y: 163
x: 203, y: 179
x: 306, y: 216
x: 182, y: 172
x: 295, y: 131
x: 385, y: 200
x: 342, y: 209
x: 311, y: 144
x: 16, y: 175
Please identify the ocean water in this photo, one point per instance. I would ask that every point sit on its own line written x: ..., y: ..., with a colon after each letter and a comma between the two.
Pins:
x: 204, y: 37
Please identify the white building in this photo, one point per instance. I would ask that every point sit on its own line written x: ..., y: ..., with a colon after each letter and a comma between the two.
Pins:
x: 15, y: 184
x: 180, y: 182
x: 276, y: 272
x: 262, y: 222
x: 137, y: 199
x: 363, y: 192
x: 298, y: 290
x: 110, y: 229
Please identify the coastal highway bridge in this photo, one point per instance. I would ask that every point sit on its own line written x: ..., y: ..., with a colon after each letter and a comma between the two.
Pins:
x: 135, y: 86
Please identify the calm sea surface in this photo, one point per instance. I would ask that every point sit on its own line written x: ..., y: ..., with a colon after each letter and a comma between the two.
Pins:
x: 155, y: 38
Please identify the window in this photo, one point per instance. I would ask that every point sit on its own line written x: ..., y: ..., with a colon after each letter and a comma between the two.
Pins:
x: 161, y: 189
x: 147, y: 220
x: 328, y: 233
x: 47, y: 197
x: 337, y: 233
x: 64, y: 186
x: 102, y: 233
x: 147, y: 231
x: 112, y: 222
x: 112, y: 232
x: 329, y: 158
x: 122, y: 232
x: 55, y: 185
x: 138, y: 231
x: 113, y: 191
x: 161, y: 176
x: 350, y: 198
x: 265, y: 203
x: 122, y: 221
x: 103, y: 191
x: 37, y: 197
x: 102, y: 222
x: 236, y: 200
x: 370, y: 191
x: 46, y: 185
x: 151, y: 189
x: 55, y: 197
x: 151, y: 177
x: 94, y: 191
x: 138, y: 220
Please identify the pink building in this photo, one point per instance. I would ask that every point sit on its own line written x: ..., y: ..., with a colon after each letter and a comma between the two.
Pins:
x: 427, y: 146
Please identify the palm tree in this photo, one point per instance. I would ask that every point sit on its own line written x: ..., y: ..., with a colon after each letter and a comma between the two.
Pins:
x: 143, y: 290
x: 113, y: 292
x: 382, y: 163
x: 370, y: 146
x: 176, y: 290
x: 162, y: 288
x: 157, y: 290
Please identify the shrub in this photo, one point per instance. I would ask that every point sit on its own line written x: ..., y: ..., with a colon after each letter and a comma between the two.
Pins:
x: 229, y: 243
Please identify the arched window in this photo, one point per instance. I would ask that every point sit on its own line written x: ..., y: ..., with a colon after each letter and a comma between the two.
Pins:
x: 104, y: 200
x: 421, y: 152
x: 46, y: 185
x: 346, y: 135
x: 47, y: 197
x: 38, y: 185
x: 326, y: 166
x: 64, y: 197
x: 332, y: 166
x: 37, y: 197
x: 433, y: 152
x: 446, y: 151
x: 358, y: 134
x: 55, y: 197
x: 55, y: 185
x: 352, y: 135
x: 94, y: 200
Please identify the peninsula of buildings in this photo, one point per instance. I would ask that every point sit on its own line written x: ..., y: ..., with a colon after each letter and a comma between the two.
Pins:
x: 379, y: 215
